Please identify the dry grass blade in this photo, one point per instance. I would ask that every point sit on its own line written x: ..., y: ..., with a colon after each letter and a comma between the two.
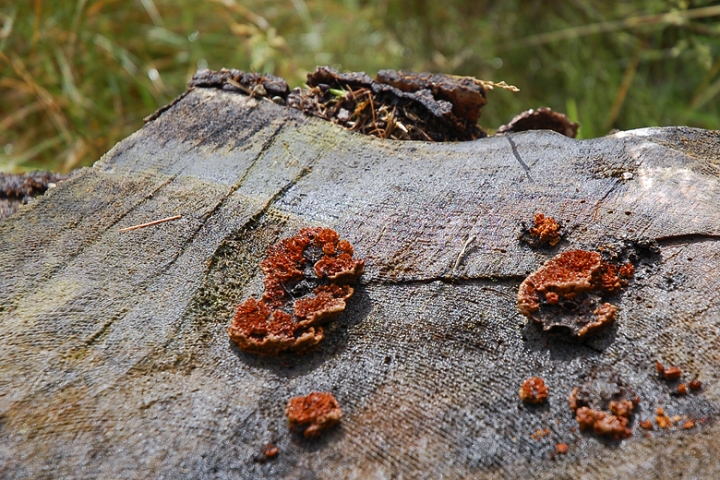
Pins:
x: 669, y: 18
x: 149, y: 224
x: 623, y: 90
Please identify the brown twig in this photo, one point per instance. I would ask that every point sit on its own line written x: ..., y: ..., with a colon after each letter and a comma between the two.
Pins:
x: 162, y: 220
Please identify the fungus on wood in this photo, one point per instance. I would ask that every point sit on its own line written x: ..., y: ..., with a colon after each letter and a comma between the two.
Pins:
x: 313, y: 414
x: 533, y: 390
x: 668, y: 373
x: 568, y: 292
x: 306, y: 286
x: 601, y: 405
x: 546, y: 229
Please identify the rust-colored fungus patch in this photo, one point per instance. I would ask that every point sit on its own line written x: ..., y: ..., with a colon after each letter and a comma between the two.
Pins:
x: 546, y: 229
x: 533, y: 390
x: 662, y: 418
x: 270, y: 451
x: 313, y: 414
x: 604, y: 314
x: 306, y: 279
x: 603, y: 391
x: 646, y: 424
x: 668, y: 373
x: 621, y: 408
x: 603, y: 423
x: 571, y: 289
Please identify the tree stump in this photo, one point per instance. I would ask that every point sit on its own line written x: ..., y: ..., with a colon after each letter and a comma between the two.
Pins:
x: 116, y: 361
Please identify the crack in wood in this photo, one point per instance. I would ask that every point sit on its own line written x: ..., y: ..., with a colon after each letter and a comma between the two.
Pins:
x: 512, y: 280
x: 686, y: 239
x: 518, y: 157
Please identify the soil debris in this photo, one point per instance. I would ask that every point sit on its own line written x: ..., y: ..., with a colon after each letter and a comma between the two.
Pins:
x: 533, y: 390
x: 20, y: 189
x: 543, y: 118
x: 396, y: 105
x: 253, y: 84
x: 306, y: 285
x: 571, y: 289
x: 313, y: 414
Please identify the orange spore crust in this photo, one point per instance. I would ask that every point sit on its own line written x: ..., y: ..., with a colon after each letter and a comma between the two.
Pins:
x: 546, y: 229
x: 277, y: 321
x: 533, y: 390
x: 313, y: 414
x: 614, y: 423
x: 669, y: 373
x: 569, y: 275
x: 603, y: 423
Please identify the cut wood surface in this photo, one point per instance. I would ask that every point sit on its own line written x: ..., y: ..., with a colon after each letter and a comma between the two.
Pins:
x: 116, y: 362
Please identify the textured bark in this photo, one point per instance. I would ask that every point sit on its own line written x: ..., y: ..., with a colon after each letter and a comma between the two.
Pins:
x: 116, y: 361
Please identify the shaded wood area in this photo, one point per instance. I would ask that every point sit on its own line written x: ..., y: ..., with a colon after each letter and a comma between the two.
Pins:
x: 116, y: 361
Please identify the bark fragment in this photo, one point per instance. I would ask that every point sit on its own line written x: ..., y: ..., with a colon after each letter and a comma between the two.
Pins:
x: 543, y: 118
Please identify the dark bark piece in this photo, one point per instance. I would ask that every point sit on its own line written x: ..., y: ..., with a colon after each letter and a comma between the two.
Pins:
x: 272, y: 86
x: 543, y: 118
x: 466, y: 96
x: 116, y: 362
x: 396, y: 105
x: 19, y: 189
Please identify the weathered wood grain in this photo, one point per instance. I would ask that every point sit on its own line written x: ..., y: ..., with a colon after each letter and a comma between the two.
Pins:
x: 116, y: 363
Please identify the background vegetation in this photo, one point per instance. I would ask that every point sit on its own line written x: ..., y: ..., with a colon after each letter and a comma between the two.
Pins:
x: 77, y: 77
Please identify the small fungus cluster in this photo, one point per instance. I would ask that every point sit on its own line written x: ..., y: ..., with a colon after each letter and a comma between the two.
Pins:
x: 672, y: 374
x: 546, y: 229
x: 313, y: 414
x: 533, y: 390
x: 571, y: 287
x: 665, y: 422
x: 604, y: 405
x: 306, y: 285
x: 610, y: 424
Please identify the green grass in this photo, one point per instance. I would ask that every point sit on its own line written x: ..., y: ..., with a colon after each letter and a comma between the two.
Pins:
x: 75, y: 78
